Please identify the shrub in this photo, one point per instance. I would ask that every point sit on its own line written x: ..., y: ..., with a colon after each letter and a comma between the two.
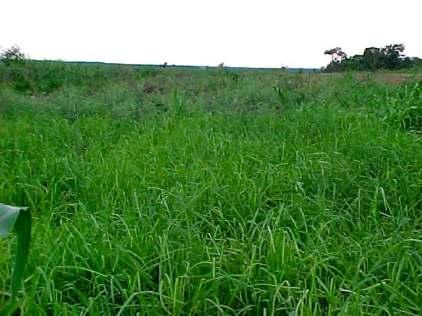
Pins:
x: 12, y: 55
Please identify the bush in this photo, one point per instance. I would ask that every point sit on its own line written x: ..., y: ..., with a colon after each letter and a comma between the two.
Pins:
x: 12, y: 55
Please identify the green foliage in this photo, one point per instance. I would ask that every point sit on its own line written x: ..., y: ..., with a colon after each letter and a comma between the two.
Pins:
x: 36, y: 77
x: 282, y: 95
x: 184, y: 191
x: 12, y: 55
x: 404, y: 107
x: 19, y: 220
x: 390, y: 57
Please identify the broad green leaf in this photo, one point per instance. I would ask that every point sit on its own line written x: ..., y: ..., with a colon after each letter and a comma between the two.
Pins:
x: 8, y: 216
x: 19, y: 219
x: 23, y: 231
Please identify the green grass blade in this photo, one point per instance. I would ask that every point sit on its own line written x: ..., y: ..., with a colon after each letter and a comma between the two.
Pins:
x: 23, y: 231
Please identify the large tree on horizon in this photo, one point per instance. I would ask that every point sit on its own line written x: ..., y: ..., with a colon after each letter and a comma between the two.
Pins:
x: 337, y: 54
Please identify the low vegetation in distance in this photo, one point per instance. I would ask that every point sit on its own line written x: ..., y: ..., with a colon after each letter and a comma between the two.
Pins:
x: 162, y: 190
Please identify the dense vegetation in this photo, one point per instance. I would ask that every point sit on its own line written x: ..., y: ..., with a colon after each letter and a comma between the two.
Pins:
x: 390, y: 57
x: 174, y: 191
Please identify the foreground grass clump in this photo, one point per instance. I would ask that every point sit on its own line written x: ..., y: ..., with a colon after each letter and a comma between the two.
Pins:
x: 216, y: 197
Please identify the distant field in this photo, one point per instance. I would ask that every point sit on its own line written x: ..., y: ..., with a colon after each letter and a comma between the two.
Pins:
x: 174, y: 191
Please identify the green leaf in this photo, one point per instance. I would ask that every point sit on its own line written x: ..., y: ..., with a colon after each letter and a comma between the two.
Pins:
x: 19, y: 219
x: 8, y: 216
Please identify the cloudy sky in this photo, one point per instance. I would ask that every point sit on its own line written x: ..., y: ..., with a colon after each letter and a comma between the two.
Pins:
x: 254, y: 33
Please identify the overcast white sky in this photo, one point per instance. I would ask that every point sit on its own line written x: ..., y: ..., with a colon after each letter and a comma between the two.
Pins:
x: 255, y: 33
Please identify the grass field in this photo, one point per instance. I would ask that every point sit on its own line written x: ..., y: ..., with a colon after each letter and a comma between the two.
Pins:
x: 171, y: 191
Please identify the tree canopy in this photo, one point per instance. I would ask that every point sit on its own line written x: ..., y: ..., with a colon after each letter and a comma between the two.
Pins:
x: 390, y: 57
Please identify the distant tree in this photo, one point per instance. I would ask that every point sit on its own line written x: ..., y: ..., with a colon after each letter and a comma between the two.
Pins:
x: 337, y: 54
x: 417, y: 62
x: 393, y: 55
x: 390, y: 57
x: 373, y: 58
x: 12, y: 55
x: 337, y: 57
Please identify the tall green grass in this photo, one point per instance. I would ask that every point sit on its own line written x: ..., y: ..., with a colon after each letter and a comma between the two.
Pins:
x: 206, y: 193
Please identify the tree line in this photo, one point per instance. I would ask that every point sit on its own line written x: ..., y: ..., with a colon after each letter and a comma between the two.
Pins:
x: 390, y: 57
